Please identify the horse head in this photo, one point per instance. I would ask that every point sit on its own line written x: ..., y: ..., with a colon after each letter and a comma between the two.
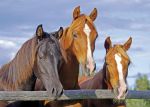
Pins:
x: 80, y: 38
x: 49, y: 60
x: 117, y: 62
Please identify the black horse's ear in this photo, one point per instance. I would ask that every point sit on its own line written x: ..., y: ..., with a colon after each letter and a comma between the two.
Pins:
x: 107, y: 44
x: 60, y: 33
x: 39, y: 31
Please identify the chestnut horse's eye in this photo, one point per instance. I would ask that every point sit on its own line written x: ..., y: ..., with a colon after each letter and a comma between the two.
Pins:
x: 75, y: 35
x: 106, y: 64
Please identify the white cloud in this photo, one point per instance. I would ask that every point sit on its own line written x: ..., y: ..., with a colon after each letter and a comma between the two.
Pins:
x: 8, y: 49
x: 7, y: 44
x: 124, y: 1
x: 25, y: 27
x: 139, y: 26
x: 12, y: 55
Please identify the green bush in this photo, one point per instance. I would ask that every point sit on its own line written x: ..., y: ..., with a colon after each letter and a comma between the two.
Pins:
x: 142, y: 83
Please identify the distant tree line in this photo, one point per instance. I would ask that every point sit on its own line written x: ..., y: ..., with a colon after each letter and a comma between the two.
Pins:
x: 142, y: 83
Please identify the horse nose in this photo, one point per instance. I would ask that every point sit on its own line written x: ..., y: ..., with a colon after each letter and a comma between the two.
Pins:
x: 94, y: 66
x: 122, y: 91
x: 126, y: 90
x: 91, y: 65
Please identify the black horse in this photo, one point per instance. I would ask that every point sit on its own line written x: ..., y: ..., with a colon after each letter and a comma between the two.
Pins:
x: 40, y: 57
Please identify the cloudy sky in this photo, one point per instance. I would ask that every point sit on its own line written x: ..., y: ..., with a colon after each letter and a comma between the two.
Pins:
x: 119, y: 19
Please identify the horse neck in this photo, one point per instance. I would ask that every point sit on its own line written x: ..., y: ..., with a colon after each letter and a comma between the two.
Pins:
x: 106, y: 84
x: 70, y: 70
x: 17, y: 71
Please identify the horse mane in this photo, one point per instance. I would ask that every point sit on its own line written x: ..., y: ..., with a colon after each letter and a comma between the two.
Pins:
x: 123, y: 53
x: 20, y: 68
x: 62, y: 39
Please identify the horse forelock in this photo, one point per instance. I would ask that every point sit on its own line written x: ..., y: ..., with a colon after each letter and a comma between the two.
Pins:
x: 20, y: 68
x: 123, y: 53
x: 80, y: 21
x: 56, y: 42
x: 119, y: 49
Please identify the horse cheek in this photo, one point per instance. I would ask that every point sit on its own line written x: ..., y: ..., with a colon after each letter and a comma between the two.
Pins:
x: 68, y: 42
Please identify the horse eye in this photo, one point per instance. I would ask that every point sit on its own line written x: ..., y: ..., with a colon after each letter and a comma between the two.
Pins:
x: 51, y: 53
x: 129, y: 63
x: 41, y: 55
x: 75, y: 35
x: 107, y: 64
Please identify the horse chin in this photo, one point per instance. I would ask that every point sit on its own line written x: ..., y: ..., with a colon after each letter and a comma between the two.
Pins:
x: 91, y: 66
x: 119, y: 96
x: 119, y: 101
x: 85, y: 70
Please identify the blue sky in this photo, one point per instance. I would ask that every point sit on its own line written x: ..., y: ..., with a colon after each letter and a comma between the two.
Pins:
x: 119, y: 19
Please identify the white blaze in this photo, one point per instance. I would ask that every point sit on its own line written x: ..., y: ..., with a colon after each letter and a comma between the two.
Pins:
x: 90, y: 64
x: 122, y: 88
x: 119, y: 66
x: 87, y: 31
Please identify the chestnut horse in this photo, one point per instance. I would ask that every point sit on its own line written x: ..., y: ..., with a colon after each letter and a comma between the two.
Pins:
x: 78, y: 41
x: 112, y: 76
x: 40, y: 57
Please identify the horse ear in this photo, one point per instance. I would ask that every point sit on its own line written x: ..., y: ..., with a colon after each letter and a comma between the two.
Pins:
x: 39, y: 31
x: 60, y: 32
x: 128, y: 44
x: 76, y: 12
x: 107, y: 44
x: 93, y: 14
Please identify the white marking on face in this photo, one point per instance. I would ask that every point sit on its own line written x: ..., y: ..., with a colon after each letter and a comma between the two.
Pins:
x: 119, y: 66
x: 87, y: 31
x: 122, y: 83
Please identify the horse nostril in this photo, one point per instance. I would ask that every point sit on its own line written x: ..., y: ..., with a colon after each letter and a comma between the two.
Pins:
x: 94, y: 66
x: 53, y: 90
x: 126, y: 90
x: 62, y: 91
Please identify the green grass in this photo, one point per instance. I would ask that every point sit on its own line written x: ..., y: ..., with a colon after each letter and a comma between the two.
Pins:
x: 138, y: 103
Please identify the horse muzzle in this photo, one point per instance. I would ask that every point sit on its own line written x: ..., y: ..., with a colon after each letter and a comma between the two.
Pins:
x: 91, y: 66
x: 88, y: 69
x: 120, y: 92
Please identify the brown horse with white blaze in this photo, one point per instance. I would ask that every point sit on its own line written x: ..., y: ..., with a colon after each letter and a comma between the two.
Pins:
x: 79, y: 42
x: 112, y: 76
